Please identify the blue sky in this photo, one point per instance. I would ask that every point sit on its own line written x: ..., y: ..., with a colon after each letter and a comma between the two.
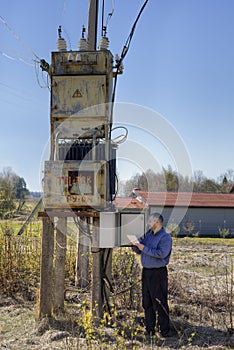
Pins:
x: 180, y: 64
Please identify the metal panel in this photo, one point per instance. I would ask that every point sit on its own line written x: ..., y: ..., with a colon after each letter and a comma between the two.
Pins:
x: 72, y: 94
x: 75, y: 184
x: 81, y: 62
x: 115, y: 226
x: 131, y: 224
x: 80, y: 127
x: 81, y: 89
x: 83, y: 151
x: 109, y: 230
x: 206, y: 221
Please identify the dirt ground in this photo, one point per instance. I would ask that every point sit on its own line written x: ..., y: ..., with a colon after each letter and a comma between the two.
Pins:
x: 201, y: 310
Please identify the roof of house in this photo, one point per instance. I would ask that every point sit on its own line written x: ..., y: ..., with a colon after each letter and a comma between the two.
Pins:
x: 178, y: 199
x: 128, y: 203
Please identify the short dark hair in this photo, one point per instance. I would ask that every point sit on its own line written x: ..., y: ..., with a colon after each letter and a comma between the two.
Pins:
x: 157, y: 216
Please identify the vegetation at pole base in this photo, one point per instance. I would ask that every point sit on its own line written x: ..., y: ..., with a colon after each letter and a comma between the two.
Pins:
x: 201, y: 290
x: 201, y: 295
x: 19, y: 262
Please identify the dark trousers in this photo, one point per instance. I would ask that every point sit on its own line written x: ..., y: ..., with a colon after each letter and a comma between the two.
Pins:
x: 154, y: 297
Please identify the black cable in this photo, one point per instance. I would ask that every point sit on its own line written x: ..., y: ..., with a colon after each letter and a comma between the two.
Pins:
x: 129, y: 39
x: 105, y: 280
x: 117, y: 187
x: 107, y: 259
x: 123, y: 54
x: 80, y: 226
x: 104, y: 27
x: 106, y: 298
x: 119, y: 63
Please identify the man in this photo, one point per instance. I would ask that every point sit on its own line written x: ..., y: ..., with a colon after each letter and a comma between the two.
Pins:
x: 155, y: 249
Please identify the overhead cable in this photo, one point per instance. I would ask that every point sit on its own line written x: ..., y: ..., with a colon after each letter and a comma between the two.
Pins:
x: 18, y: 38
x: 17, y: 53
x: 46, y: 84
x: 104, y: 27
x: 125, y: 50
x: 129, y: 39
x: 110, y: 13
x: 15, y: 58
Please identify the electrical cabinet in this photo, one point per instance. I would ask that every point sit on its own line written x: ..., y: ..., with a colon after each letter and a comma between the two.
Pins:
x: 131, y: 224
x: 109, y: 230
x: 81, y: 62
x: 75, y: 184
x: 115, y: 226
x: 74, y: 94
x: 80, y: 80
x: 81, y: 172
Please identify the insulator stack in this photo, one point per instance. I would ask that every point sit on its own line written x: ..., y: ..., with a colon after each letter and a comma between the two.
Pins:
x: 61, y: 44
x: 82, y: 45
x: 104, y: 43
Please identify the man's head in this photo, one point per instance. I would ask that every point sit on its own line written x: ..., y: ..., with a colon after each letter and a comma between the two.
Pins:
x: 155, y: 222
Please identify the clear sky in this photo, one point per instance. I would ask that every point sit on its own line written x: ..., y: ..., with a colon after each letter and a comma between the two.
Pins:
x: 180, y: 64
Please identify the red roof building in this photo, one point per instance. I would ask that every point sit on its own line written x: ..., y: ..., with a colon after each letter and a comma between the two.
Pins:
x: 209, y: 213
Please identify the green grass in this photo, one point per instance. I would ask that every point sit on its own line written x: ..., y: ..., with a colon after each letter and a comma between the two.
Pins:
x: 205, y: 241
x: 200, y: 277
x: 33, y: 228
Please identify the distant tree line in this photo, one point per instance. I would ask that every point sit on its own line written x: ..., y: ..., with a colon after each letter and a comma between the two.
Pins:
x: 35, y: 194
x: 170, y: 180
x: 13, y: 190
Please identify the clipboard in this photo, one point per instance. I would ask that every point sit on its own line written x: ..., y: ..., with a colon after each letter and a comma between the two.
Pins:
x: 133, y: 239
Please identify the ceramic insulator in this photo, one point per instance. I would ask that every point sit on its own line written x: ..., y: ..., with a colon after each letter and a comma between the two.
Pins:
x: 61, y: 44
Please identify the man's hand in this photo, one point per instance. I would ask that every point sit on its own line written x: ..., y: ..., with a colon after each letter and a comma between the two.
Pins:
x: 138, y: 245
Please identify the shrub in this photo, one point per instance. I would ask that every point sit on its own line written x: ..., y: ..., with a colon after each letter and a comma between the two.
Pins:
x: 224, y: 232
x: 126, y: 278
x: 173, y: 229
x: 19, y: 262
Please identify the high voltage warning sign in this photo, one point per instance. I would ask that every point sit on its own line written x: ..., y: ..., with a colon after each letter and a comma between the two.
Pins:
x: 77, y: 93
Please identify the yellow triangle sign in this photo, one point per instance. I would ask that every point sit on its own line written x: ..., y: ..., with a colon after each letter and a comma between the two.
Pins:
x: 77, y: 93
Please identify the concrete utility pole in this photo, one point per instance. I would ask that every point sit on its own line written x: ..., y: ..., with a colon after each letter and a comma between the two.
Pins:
x: 77, y: 176
x: 47, y: 256
x: 60, y: 260
x: 97, y: 253
x: 92, y: 24
x: 97, y: 266
x: 83, y: 253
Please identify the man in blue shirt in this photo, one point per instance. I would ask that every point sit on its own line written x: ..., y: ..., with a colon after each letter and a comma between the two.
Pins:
x: 155, y: 249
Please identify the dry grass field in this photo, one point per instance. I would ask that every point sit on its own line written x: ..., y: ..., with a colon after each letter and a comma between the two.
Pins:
x: 201, y: 283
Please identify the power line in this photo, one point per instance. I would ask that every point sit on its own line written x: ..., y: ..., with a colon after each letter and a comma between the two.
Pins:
x: 104, y: 27
x: 17, y: 93
x: 129, y: 39
x: 18, y: 38
x: 17, y: 53
x: 125, y: 50
x: 15, y: 58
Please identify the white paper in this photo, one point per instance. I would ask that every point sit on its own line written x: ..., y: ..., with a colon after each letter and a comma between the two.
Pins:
x: 133, y: 238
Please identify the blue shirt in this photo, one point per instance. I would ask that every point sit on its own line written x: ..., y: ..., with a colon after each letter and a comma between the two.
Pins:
x: 157, y: 249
